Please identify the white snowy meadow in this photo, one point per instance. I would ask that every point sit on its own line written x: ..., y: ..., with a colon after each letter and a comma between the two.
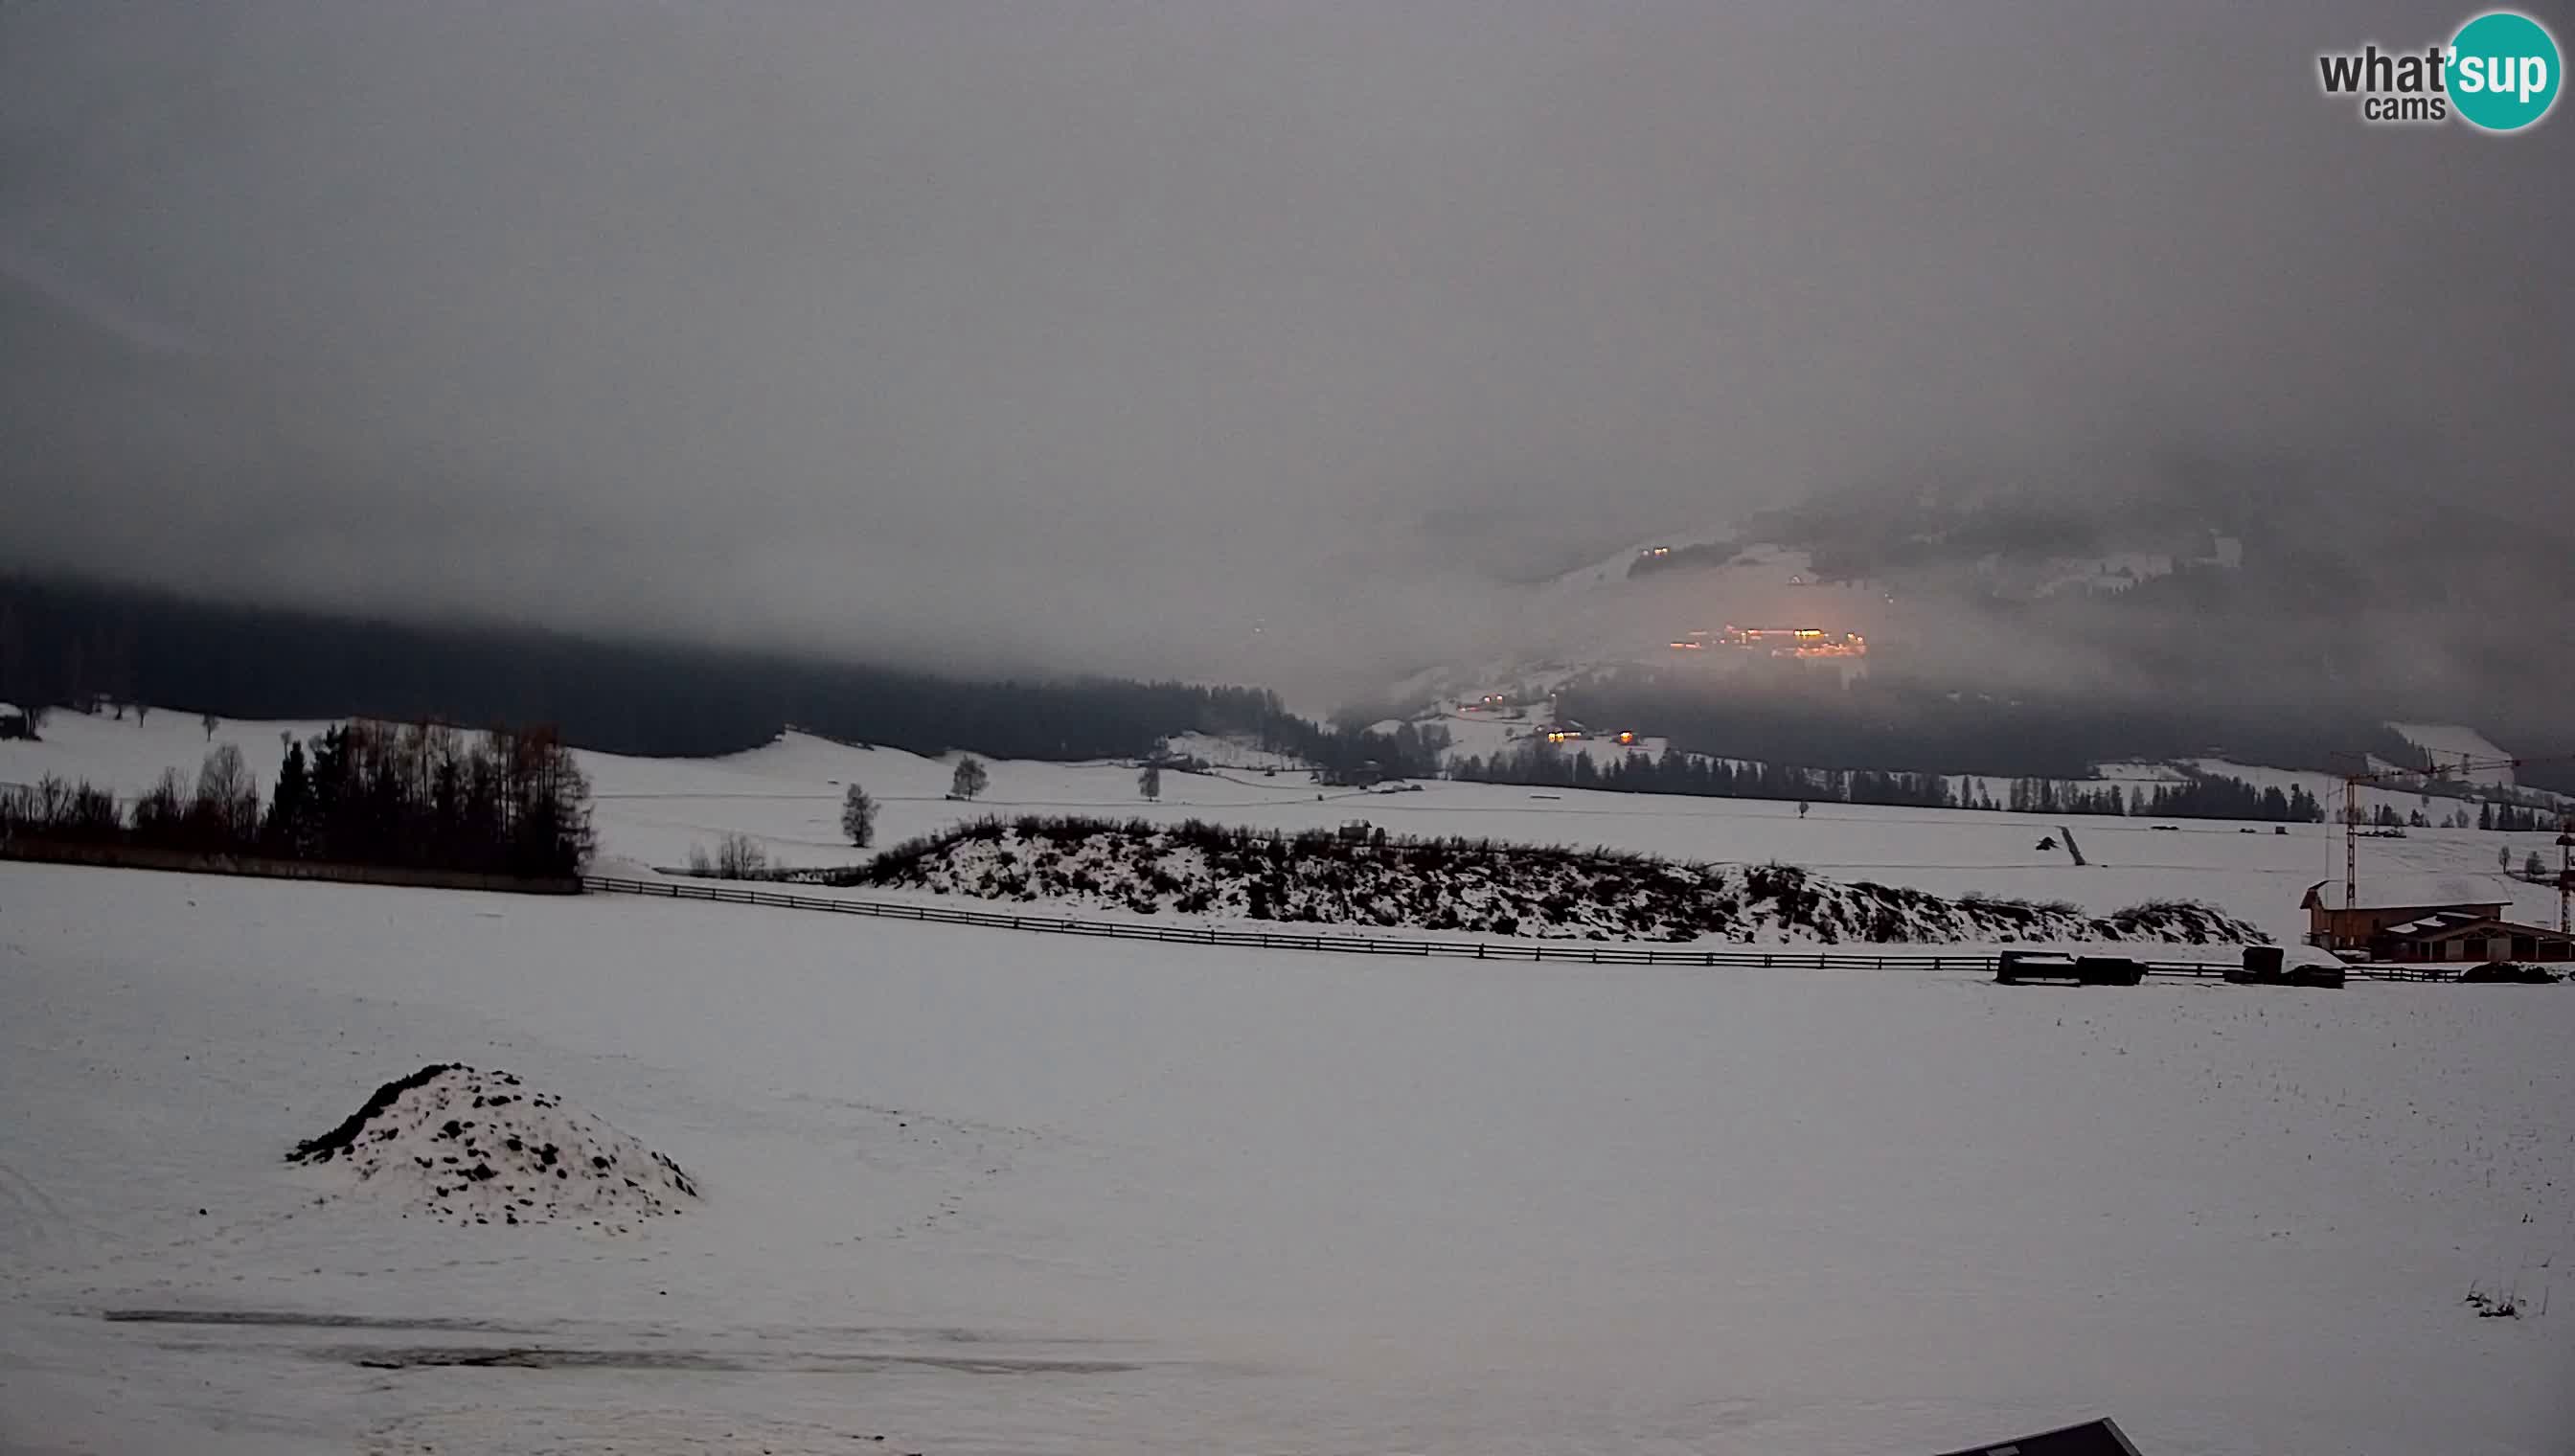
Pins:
x: 983, y: 1192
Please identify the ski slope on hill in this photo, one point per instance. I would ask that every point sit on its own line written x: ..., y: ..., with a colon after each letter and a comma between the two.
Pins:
x: 650, y: 811
x: 2450, y: 742
x: 983, y: 1193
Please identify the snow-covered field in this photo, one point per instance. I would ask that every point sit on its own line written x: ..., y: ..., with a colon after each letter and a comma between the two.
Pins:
x: 977, y: 1192
x: 788, y: 794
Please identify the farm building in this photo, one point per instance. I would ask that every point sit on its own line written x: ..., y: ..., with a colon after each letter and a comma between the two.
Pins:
x: 2458, y: 918
x: 2453, y: 935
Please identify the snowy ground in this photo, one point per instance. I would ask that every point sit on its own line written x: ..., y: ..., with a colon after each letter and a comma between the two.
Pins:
x: 788, y: 794
x: 979, y: 1192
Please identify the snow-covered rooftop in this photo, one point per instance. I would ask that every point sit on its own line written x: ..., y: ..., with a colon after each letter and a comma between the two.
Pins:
x: 2447, y: 920
x: 2402, y: 889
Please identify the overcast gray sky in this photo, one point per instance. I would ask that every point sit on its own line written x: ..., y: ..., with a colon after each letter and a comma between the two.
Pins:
x: 1089, y: 336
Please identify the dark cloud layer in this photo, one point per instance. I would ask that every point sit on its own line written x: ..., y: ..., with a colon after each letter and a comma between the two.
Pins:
x: 1095, y: 336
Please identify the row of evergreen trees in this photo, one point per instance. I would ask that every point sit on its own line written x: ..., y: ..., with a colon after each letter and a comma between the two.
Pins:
x: 2513, y: 819
x: 2213, y: 796
x: 1350, y: 754
x: 1543, y: 763
x: 2202, y: 797
x: 419, y: 796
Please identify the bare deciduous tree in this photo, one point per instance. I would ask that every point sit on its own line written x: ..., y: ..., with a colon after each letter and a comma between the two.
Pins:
x: 162, y: 807
x: 859, y: 816
x: 228, y: 795
x: 209, y: 723
x: 740, y: 856
x: 970, y: 779
x: 1150, y: 782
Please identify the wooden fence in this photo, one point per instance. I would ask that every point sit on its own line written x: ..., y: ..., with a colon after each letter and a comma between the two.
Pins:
x: 1588, y: 952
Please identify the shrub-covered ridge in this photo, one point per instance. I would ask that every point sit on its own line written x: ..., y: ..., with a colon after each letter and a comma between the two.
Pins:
x: 1360, y: 875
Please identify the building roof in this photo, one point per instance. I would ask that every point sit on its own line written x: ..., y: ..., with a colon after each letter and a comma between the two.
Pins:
x: 2454, y: 927
x: 2435, y: 924
x: 2413, y: 891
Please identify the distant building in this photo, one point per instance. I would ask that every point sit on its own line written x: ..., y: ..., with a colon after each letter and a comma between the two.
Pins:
x: 1776, y: 642
x: 1794, y: 641
x: 2429, y: 926
x: 2453, y: 935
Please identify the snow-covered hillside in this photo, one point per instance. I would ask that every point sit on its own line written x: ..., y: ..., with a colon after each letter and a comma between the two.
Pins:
x: 1621, y: 565
x: 1488, y: 732
x: 1363, y: 879
x: 650, y: 811
x: 2449, y: 743
x: 983, y: 1194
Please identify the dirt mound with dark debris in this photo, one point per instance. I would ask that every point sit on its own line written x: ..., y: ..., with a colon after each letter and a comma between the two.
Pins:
x: 477, y: 1147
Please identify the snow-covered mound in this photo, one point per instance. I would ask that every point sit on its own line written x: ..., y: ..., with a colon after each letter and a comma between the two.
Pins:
x: 1364, y: 876
x: 469, y: 1146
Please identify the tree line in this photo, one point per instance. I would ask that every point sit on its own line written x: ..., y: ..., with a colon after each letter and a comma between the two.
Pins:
x: 2206, y: 795
x: 2200, y: 797
x: 1893, y: 724
x: 416, y: 796
x: 1541, y: 763
x: 2514, y: 820
x: 91, y: 647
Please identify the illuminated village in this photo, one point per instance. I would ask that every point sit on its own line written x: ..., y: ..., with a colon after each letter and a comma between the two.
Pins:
x: 1776, y: 642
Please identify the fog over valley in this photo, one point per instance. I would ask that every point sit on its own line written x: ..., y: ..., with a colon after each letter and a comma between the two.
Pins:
x: 1138, y: 728
x: 1297, y: 346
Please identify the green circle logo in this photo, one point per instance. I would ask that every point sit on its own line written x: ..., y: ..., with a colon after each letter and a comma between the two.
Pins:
x: 2503, y: 71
